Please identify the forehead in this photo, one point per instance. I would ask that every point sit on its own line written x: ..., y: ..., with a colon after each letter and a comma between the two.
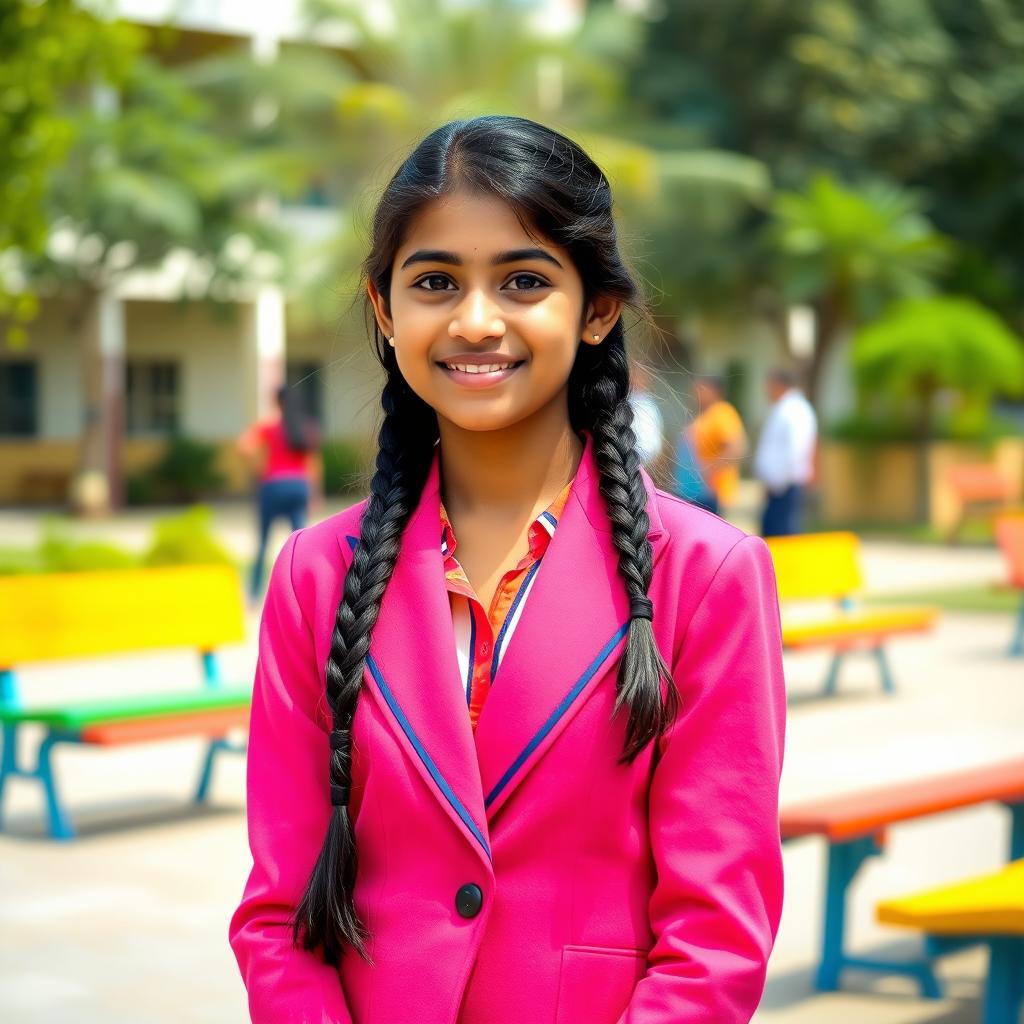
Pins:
x: 472, y: 225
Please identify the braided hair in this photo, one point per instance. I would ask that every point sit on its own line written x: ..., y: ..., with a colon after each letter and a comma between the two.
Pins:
x: 559, y: 193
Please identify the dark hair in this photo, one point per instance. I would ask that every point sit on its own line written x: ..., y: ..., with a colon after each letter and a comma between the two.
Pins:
x: 783, y: 375
x: 297, y: 429
x: 559, y: 194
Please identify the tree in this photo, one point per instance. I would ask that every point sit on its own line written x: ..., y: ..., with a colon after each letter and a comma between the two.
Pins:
x: 45, y: 49
x: 850, y: 252
x: 921, y: 346
x: 147, y: 182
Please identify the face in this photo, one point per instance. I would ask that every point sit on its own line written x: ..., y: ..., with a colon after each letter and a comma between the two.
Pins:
x: 487, y: 318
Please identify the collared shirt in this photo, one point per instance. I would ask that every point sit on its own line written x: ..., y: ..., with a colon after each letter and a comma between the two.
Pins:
x: 482, y: 636
x: 785, y: 453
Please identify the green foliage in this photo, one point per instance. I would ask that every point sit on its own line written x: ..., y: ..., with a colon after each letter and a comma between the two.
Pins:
x: 921, y: 345
x: 186, y: 539
x: 864, y: 246
x: 347, y: 465
x: 186, y: 471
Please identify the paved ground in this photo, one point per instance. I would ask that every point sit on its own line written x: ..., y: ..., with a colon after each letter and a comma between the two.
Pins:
x: 128, y: 924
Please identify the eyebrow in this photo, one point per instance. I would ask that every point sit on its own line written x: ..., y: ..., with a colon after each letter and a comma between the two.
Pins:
x: 509, y: 256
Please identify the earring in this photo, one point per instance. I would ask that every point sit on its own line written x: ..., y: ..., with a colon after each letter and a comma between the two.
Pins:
x: 391, y: 341
x: 597, y: 337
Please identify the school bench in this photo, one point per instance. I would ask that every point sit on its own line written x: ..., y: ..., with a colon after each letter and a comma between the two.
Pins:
x: 854, y: 825
x: 988, y: 910
x: 979, y: 488
x: 1010, y: 538
x: 826, y: 567
x: 60, y: 616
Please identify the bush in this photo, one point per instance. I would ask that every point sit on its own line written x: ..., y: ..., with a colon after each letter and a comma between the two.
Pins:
x: 58, y: 551
x: 187, y: 471
x: 186, y: 539
x: 347, y: 466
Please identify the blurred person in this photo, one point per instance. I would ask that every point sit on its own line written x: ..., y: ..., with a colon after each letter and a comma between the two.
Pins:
x: 518, y: 711
x: 784, y: 461
x: 647, y: 423
x: 283, y: 448
x: 718, y: 443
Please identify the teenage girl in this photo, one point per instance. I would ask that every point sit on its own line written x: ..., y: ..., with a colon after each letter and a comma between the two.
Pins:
x: 518, y: 718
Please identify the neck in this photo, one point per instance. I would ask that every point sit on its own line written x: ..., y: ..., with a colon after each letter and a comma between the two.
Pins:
x: 508, y: 474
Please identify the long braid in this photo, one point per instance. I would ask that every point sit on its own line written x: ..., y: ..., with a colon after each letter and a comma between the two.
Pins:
x: 326, y: 917
x: 604, y: 401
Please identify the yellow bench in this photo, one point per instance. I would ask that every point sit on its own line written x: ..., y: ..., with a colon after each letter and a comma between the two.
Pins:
x: 989, y: 909
x: 826, y: 567
x: 61, y: 616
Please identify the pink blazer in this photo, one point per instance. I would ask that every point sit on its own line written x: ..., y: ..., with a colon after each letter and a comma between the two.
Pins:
x: 611, y: 894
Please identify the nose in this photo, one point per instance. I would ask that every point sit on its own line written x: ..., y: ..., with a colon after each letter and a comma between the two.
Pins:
x: 476, y: 318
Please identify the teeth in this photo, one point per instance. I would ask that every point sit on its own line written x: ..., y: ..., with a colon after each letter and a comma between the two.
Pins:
x: 473, y: 368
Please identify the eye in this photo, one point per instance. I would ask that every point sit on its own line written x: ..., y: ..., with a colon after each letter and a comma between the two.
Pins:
x: 434, y: 283
x: 526, y: 283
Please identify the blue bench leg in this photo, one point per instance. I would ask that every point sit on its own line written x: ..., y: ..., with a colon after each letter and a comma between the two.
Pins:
x: 888, y: 683
x: 832, y: 676
x: 206, y: 773
x: 8, y: 761
x: 1016, y: 831
x: 1004, y: 991
x: 844, y: 861
x: 1017, y: 644
x: 60, y: 823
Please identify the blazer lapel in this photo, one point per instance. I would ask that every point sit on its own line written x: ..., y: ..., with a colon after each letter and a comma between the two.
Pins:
x: 412, y: 671
x: 570, y: 637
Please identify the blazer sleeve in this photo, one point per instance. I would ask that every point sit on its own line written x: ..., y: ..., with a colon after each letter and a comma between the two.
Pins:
x: 714, y: 824
x: 288, y: 810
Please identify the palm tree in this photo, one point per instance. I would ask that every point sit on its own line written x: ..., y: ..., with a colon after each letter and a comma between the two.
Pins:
x: 848, y: 252
x: 922, y: 346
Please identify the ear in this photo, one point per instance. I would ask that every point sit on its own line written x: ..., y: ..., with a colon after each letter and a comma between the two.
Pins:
x: 380, y: 310
x: 600, y: 318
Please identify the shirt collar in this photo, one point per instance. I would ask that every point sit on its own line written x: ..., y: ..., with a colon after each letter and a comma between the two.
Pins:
x: 542, y: 529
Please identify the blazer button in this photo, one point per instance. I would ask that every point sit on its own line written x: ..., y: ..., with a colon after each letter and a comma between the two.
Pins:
x: 468, y: 900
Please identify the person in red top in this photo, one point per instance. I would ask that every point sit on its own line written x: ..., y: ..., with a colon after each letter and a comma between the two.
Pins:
x: 285, y: 448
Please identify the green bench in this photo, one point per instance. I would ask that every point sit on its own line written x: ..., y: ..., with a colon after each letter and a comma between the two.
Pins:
x: 56, y: 617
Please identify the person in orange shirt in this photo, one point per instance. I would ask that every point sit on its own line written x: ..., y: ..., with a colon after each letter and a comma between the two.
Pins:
x: 719, y: 442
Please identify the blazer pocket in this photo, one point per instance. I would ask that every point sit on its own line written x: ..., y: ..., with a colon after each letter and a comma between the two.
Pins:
x: 596, y: 983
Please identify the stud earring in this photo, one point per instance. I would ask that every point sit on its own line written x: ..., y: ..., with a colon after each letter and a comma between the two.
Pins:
x: 597, y: 337
x: 391, y: 341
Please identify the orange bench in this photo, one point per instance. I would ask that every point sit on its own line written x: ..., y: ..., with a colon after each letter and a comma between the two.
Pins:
x: 978, y: 487
x: 854, y: 826
x: 1010, y: 538
x: 826, y: 567
x: 72, y: 615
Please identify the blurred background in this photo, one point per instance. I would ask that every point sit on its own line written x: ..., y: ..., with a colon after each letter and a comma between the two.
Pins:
x: 830, y: 188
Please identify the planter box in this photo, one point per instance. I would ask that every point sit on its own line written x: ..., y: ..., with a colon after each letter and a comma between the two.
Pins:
x: 877, y: 483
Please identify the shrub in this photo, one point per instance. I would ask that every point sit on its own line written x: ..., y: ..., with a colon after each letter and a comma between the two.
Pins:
x: 347, y: 466
x: 186, y: 539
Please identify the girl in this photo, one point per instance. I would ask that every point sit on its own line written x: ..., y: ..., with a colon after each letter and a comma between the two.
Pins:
x: 517, y: 727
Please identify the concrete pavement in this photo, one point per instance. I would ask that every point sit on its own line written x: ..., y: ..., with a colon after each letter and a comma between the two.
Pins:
x: 128, y: 924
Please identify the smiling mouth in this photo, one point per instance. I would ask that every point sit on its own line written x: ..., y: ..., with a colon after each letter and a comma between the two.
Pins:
x: 482, y: 368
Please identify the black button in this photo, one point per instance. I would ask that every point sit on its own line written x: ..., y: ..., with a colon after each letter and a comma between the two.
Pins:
x: 468, y: 900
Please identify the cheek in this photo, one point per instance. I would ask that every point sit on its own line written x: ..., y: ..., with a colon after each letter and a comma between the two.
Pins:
x: 552, y: 324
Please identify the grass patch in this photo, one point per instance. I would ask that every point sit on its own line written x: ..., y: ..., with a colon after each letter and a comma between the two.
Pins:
x: 957, y: 599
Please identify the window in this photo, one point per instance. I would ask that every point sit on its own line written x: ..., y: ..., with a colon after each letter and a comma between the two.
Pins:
x: 305, y: 382
x: 151, y: 397
x: 19, y: 398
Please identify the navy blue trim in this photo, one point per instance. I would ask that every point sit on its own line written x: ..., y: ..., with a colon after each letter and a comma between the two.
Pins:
x: 352, y: 541
x: 472, y: 653
x: 550, y: 518
x: 557, y: 714
x: 508, y: 618
x: 435, y: 774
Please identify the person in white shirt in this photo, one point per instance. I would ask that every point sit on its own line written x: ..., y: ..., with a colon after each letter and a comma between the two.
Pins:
x: 784, y: 462
x: 647, y: 422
